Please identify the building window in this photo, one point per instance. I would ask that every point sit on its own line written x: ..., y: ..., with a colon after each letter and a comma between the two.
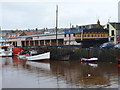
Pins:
x: 107, y: 26
x: 79, y: 35
x: 98, y: 35
x: 103, y: 35
x: 84, y: 35
x: 112, y: 32
x: 112, y: 39
x: 69, y: 35
x: 90, y: 35
x: 65, y: 42
x: 65, y: 35
x: 74, y: 35
x: 106, y: 35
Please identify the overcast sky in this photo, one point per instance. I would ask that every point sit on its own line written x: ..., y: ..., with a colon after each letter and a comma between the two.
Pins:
x: 29, y: 14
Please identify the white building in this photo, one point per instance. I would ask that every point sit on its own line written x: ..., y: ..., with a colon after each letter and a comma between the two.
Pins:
x: 69, y: 39
x: 114, y: 31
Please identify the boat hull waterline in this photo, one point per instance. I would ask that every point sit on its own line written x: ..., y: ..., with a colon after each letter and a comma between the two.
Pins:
x: 44, y: 56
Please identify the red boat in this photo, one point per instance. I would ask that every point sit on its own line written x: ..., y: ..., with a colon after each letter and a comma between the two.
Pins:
x: 17, y: 50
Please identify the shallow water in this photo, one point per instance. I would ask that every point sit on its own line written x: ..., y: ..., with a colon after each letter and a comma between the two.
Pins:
x: 18, y: 73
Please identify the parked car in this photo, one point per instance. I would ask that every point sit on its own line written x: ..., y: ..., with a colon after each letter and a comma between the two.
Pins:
x: 117, y: 45
x: 107, y: 45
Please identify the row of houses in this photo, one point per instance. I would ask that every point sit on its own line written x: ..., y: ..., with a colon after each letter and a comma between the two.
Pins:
x: 84, y: 35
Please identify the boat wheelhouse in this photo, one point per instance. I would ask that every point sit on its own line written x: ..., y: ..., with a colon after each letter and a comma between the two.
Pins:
x: 5, y: 50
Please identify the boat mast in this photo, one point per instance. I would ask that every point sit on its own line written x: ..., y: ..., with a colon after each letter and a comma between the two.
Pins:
x: 0, y: 36
x: 56, y: 23
x: 1, y: 40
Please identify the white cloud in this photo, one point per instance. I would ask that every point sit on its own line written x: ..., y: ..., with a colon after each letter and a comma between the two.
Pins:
x: 58, y: 0
x: 0, y: 14
x: 23, y: 15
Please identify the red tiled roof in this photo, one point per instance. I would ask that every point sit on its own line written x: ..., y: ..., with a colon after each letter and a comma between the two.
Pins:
x: 29, y: 33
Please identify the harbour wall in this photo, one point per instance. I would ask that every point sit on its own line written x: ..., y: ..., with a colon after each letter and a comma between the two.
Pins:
x: 75, y: 53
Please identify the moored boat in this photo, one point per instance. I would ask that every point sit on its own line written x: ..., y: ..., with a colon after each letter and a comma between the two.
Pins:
x: 23, y: 56
x: 5, y: 50
x: 44, y: 56
x: 17, y: 50
x: 89, y: 59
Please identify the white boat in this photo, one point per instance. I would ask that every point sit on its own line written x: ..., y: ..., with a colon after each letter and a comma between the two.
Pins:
x: 44, y: 56
x: 22, y: 56
x: 5, y: 50
x: 89, y: 59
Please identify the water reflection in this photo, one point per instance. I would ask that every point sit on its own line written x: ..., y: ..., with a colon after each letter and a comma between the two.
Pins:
x: 6, y: 61
x: 84, y: 74
x: 60, y: 74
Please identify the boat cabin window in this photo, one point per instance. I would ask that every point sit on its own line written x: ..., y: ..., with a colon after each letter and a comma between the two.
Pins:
x: 5, y: 48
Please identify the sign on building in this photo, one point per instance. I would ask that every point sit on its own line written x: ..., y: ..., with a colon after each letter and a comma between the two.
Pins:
x: 29, y: 38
